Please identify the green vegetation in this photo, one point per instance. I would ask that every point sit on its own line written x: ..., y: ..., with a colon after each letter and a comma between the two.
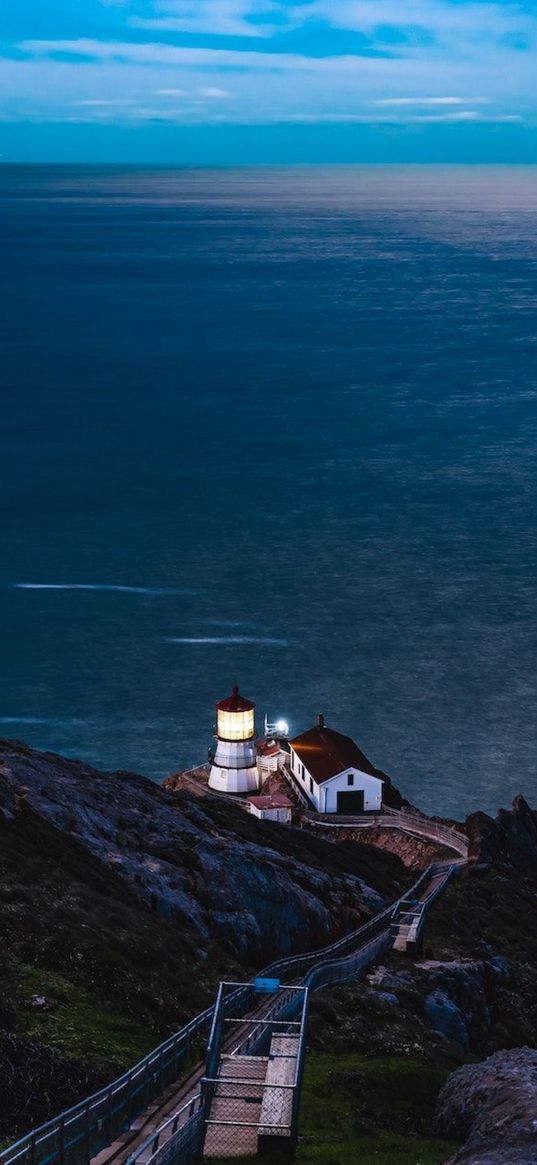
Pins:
x: 376, y: 1110
x: 120, y: 977
x: 113, y: 977
x: 480, y: 914
x: 73, y: 1022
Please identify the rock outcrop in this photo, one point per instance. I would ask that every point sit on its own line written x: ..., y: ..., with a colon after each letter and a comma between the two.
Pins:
x: 454, y: 998
x: 492, y: 1106
x: 510, y: 838
x: 416, y: 853
x: 259, y: 889
x: 122, y: 905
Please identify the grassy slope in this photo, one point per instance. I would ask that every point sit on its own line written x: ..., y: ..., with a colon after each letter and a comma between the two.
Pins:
x: 486, y: 913
x: 376, y: 1110
x: 117, y: 977
x: 373, y: 1072
x: 482, y: 916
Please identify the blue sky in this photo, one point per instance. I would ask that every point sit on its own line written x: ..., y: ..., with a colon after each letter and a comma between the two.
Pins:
x: 268, y: 80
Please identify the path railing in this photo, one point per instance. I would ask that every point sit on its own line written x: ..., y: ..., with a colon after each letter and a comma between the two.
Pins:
x: 338, y: 970
x: 244, y: 1109
x: 79, y: 1133
x: 181, y: 1134
x: 325, y: 971
x: 82, y: 1131
x: 411, y: 822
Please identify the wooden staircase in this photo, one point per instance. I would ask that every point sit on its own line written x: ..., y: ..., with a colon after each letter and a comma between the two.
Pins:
x: 236, y: 1107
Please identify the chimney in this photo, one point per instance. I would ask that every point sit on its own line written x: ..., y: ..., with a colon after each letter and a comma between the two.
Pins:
x: 320, y: 720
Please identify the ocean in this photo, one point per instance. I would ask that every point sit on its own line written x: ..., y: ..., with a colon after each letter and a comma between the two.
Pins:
x: 273, y: 427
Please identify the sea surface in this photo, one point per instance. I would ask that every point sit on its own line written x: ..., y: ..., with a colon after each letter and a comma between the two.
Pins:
x: 274, y: 427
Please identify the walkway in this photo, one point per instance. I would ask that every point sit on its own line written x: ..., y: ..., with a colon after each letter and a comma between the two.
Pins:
x: 66, y: 1139
x: 406, y: 821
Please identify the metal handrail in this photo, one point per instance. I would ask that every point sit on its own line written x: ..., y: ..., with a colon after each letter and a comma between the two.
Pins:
x: 415, y: 823
x: 112, y: 1115
x: 58, y: 1126
x: 338, y: 970
x: 296, y: 962
x: 152, y: 1142
x: 189, y: 1138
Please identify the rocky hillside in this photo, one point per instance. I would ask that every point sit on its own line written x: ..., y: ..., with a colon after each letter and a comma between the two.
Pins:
x: 469, y: 1002
x: 509, y: 839
x: 121, y: 905
x: 492, y: 1105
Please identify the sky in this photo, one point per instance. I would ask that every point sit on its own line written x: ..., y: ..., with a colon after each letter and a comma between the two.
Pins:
x: 238, y: 81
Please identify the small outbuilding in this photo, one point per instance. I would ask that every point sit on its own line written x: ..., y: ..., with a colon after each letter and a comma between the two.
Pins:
x: 271, y: 807
x: 334, y: 773
x: 270, y: 756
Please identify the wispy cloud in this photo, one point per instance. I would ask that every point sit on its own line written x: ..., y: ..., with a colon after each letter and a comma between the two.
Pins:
x: 411, y: 101
x: 371, y: 61
x: 113, y: 102
x: 154, y: 53
x: 467, y: 19
x: 214, y: 93
x: 237, y: 18
x: 410, y: 119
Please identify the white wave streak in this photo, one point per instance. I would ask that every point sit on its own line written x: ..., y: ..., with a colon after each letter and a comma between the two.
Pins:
x: 223, y: 639
x: 25, y: 586
x: 40, y: 720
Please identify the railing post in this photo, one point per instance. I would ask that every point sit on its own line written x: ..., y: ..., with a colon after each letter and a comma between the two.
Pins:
x: 129, y: 1114
x: 87, y: 1135
x: 61, y: 1132
x: 110, y: 1130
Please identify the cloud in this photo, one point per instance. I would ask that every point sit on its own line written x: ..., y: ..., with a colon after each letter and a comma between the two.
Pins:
x: 409, y: 119
x: 113, y: 101
x: 402, y: 101
x: 154, y: 53
x: 466, y: 18
x: 214, y: 92
x: 432, y: 55
x: 242, y: 18
x: 463, y: 115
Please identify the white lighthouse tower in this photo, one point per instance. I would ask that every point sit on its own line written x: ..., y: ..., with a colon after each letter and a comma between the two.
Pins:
x: 234, y: 768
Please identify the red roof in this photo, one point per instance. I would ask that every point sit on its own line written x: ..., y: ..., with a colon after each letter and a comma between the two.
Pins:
x: 268, y: 747
x: 235, y: 703
x: 271, y: 801
x: 325, y: 753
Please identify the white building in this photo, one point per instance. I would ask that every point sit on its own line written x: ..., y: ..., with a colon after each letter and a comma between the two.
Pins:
x: 271, y: 807
x: 270, y: 757
x: 333, y: 772
x: 234, y: 767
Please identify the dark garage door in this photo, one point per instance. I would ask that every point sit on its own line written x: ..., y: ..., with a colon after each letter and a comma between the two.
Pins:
x: 351, y: 802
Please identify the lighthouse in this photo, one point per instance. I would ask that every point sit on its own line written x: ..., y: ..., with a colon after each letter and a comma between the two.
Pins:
x: 234, y: 768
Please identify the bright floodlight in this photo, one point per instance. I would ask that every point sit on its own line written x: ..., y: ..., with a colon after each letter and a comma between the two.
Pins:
x: 282, y: 727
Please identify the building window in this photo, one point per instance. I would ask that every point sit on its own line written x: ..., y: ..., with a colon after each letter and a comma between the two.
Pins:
x: 350, y: 778
x: 311, y: 784
x: 302, y: 767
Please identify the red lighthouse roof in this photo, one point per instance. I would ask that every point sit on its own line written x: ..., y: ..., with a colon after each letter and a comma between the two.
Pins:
x: 235, y: 703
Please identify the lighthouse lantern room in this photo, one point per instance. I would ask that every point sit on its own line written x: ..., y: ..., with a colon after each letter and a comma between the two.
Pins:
x: 234, y: 768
